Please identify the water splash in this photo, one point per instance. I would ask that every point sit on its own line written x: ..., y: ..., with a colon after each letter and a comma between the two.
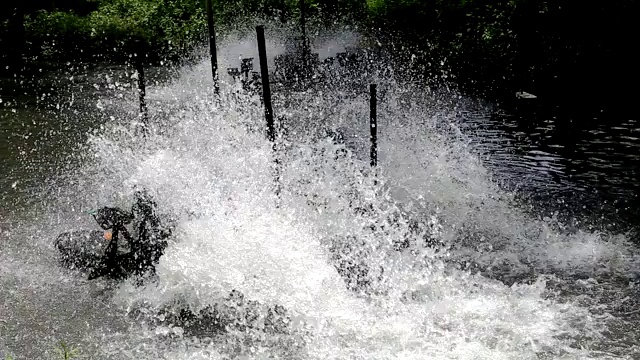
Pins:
x: 440, y: 262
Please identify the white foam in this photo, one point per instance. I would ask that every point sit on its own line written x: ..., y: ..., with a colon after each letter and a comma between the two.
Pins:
x: 210, y: 165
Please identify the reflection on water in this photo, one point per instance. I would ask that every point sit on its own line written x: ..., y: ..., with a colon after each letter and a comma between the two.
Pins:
x: 45, y: 122
x: 554, y: 155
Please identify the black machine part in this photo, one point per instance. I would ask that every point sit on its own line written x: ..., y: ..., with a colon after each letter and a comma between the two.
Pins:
x: 101, y: 255
x: 109, y: 218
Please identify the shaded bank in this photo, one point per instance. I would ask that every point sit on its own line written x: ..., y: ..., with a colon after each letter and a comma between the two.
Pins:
x: 577, y: 54
x: 567, y: 52
x: 98, y: 31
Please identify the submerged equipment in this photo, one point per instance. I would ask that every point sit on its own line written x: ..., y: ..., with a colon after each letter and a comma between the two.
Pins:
x: 99, y: 253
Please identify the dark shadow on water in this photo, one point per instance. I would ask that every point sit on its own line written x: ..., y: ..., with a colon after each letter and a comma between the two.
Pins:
x: 578, y: 160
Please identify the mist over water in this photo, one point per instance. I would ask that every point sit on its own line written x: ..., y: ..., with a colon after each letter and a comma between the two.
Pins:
x: 498, y: 283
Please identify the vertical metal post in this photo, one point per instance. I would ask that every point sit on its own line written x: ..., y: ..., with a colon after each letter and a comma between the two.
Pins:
x: 212, y: 46
x: 283, y: 9
x: 373, y: 125
x: 266, y: 94
x: 144, y: 112
x: 266, y: 89
x: 303, y: 26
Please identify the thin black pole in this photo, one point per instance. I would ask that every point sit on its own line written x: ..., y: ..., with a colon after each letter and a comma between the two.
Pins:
x: 373, y: 126
x: 266, y: 89
x: 144, y: 112
x: 303, y: 26
x: 212, y: 46
x: 266, y: 94
x: 283, y: 9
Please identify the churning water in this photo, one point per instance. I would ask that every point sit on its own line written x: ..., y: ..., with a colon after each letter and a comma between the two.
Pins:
x: 496, y: 282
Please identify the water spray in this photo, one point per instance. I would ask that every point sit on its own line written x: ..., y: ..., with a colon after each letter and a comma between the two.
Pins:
x: 268, y: 109
x: 373, y: 125
x: 303, y: 28
x: 144, y: 111
x: 212, y: 47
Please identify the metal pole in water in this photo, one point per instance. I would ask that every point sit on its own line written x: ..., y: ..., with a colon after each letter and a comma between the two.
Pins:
x: 144, y: 112
x: 283, y: 9
x: 373, y: 125
x: 212, y: 46
x: 266, y: 89
x: 266, y: 94
x: 303, y: 26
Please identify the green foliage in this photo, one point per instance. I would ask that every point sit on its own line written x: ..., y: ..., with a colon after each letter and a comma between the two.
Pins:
x: 471, y: 36
x: 174, y: 27
x: 161, y: 23
x: 485, y: 42
x: 168, y: 28
x: 66, y: 352
x: 51, y: 33
x: 63, y: 351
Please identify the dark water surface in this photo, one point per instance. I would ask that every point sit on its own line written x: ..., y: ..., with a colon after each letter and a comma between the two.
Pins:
x: 565, y: 158
x: 45, y: 121
x: 568, y: 160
